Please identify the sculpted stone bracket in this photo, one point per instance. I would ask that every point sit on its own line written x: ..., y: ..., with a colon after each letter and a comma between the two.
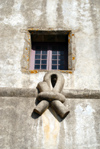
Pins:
x: 50, y: 94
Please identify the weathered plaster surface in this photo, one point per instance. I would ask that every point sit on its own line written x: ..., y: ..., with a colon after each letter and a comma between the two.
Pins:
x: 82, y: 17
x: 79, y: 130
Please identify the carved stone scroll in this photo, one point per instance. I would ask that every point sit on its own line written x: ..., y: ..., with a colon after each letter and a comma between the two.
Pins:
x: 50, y: 94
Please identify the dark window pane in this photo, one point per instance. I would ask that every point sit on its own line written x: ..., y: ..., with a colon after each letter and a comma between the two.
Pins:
x: 61, y: 52
x: 60, y: 57
x: 54, y: 52
x: 54, y: 62
x: 38, y: 52
x: 54, y: 56
x: 37, y: 56
x: 44, y: 56
x: 61, y: 48
x: 44, y: 61
x: 61, y: 62
x: 43, y: 66
x: 54, y: 48
x: 61, y: 67
x: 44, y: 48
x: 54, y: 66
x: 37, y: 66
x: 38, y: 47
x: 44, y: 52
x: 37, y: 61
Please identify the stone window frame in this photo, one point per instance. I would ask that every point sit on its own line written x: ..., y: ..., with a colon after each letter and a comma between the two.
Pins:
x: 27, y: 49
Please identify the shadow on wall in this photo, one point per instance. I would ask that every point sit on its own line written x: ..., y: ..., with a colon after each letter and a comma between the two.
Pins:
x: 36, y: 116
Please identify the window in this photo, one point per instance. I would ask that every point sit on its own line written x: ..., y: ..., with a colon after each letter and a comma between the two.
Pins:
x: 49, y: 52
x: 51, y: 41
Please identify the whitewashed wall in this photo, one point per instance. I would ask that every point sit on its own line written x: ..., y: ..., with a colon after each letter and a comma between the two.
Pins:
x: 82, y: 17
x: 81, y: 128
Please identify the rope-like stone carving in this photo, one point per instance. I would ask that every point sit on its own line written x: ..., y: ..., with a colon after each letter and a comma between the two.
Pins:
x: 50, y: 94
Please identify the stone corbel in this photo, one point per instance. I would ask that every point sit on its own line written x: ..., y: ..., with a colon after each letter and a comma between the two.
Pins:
x: 50, y: 94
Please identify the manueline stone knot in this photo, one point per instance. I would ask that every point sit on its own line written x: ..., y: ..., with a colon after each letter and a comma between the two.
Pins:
x: 50, y: 94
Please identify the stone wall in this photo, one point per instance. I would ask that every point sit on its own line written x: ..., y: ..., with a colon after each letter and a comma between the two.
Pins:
x: 82, y: 17
x: 20, y: 129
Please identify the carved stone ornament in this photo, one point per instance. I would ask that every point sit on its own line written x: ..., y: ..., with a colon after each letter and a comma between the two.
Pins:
x: 50, y: 94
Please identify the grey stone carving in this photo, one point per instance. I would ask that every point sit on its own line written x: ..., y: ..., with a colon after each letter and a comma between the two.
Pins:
x: 50, y: 94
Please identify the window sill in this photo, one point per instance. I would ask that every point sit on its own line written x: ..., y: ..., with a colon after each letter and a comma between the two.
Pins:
x: 36, y: 71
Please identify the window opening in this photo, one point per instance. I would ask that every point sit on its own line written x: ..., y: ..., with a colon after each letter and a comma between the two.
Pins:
x: 49, y: 52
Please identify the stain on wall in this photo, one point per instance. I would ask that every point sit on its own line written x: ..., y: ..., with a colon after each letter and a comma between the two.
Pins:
x: 80, y: 129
